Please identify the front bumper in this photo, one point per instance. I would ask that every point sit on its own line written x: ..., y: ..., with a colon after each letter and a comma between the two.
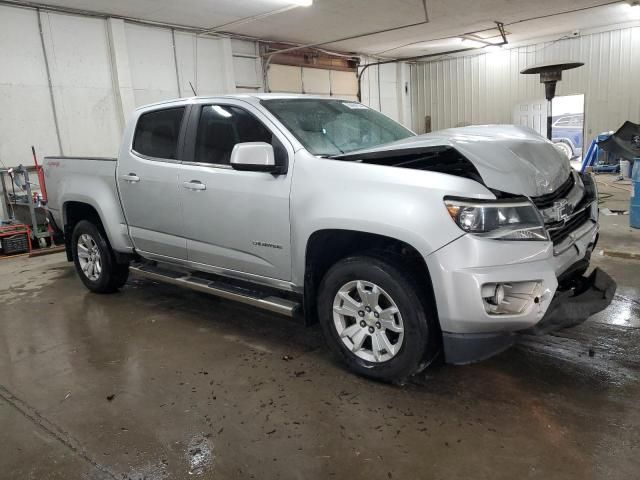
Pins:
x: 572, y: 306
x: 569, y: 307
x: 459, y: 270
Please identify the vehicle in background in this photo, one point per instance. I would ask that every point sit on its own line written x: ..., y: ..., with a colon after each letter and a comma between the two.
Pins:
x: 405, y: 248
x: 567, y: 134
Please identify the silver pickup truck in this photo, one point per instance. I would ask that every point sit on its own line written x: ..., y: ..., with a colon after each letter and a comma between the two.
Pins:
x: 405, y: 248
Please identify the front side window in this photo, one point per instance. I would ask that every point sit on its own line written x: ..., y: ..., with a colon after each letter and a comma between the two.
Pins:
x: 221, y: 127
x: 157, y: 133
x: 333, y: 127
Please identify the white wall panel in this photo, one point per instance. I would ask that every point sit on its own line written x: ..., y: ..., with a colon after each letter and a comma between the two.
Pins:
x: 485, y: 88
x: 214, y: 65
x: 25, y: 102
x: 121, y: 72
x: 316, y: 81
x: 81, y: 77
x: 369, y: 86
x: 389, y: 90
x: 313, y: 81
x: 285, y: 78
x: 383, y: 88
x: 152, y: 63
x: 247, y: 72
x: 208, y: 64
x: 100, y: 70
x: 247, y: 66
x: 344, y: 85
x: 244, y: 47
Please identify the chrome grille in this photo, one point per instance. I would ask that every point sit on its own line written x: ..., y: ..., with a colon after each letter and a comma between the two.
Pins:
x: 561, y: 230
x: 546, y: 201
x: 579, y: 199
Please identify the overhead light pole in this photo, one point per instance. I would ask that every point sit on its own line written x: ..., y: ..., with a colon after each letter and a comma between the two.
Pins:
x: 550, y: 75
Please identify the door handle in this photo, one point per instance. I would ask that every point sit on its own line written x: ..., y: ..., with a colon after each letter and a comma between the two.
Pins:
x: 131, y: 178
x: 194, y: 185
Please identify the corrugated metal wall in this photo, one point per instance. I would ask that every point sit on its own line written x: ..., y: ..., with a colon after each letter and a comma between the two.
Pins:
x: 485, y: 88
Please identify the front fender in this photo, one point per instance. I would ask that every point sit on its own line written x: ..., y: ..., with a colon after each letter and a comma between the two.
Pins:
x: 399, y: 203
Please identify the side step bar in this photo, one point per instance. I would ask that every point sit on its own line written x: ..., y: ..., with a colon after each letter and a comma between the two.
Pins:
x: 272, y: 303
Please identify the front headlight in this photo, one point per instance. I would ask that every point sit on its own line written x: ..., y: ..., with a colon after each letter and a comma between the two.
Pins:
x: 510, y: 220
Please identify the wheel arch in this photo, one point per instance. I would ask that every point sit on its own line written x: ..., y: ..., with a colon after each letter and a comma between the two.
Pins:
x: 566, y: 141
x: 326, y: 247
x: 74, y: 211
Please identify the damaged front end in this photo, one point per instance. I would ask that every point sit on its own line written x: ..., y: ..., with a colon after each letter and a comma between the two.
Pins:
x: 438, y: 158
x: 575, y: 300
x: 519, y: 168
x: 571, y: 215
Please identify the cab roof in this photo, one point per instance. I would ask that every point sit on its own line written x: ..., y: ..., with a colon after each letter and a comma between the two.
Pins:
x: 250, y: 97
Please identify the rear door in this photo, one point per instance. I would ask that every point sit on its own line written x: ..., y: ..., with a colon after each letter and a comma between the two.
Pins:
x: 147, y: 178
x: 235, y: 220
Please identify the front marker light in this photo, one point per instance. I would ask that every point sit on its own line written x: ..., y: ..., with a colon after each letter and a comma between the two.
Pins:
x: 512, y: 220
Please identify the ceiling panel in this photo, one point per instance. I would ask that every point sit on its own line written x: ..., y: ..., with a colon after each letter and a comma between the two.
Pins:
x: 329, y: 20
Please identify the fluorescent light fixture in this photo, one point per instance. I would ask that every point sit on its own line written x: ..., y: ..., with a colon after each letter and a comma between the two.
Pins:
x: 633, y: 8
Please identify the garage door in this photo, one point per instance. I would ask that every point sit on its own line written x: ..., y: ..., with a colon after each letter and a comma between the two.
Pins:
x: 316, y: 81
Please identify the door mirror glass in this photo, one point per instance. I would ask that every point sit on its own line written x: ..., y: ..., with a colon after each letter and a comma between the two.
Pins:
x: 254, y: 157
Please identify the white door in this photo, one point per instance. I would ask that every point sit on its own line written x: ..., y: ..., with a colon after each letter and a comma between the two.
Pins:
x: 148, y: 184
x: 532, y: 114
x: 235, y: 220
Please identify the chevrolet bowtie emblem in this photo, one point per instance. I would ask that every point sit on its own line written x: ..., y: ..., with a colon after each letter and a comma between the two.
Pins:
x: 561, y: 209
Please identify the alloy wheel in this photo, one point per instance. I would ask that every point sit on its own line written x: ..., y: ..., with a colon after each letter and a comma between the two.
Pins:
x: 368, y: 321
x: 89, y: 257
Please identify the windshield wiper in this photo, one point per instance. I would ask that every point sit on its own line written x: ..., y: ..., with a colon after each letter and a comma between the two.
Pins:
x: 333, y: 143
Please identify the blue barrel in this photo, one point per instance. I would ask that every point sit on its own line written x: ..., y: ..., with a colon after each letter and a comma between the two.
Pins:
x: 634, y: 208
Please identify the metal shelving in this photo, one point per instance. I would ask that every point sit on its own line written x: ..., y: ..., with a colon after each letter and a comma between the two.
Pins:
x: 39, y: 230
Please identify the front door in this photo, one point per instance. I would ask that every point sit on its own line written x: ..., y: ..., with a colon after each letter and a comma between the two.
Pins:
x: 234, y: 220
x: 147, y: 178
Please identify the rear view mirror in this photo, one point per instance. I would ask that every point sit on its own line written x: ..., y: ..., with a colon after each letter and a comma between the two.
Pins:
x: 254, y: 157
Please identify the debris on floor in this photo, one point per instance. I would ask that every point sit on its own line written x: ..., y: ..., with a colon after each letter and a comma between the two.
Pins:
x: 199, y: 457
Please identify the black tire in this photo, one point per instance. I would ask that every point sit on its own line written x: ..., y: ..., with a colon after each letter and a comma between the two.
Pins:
x: 113, y: 274
x: 565, y: 148
x: 421, y: 342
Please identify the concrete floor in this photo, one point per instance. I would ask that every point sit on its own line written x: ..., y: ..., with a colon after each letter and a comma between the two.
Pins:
x: 157, y: 382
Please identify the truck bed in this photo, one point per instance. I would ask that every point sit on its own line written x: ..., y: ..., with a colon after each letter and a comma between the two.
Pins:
x: 88, y: 180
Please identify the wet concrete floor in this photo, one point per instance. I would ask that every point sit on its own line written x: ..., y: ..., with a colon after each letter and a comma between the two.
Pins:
x: 156, y: 382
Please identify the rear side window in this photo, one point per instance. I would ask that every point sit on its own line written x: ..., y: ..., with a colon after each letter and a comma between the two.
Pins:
x: 221, y: 127
x: 157, y: 133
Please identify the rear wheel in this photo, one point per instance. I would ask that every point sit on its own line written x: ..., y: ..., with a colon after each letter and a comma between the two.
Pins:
x: 94, y: 260
x: 373, y: 316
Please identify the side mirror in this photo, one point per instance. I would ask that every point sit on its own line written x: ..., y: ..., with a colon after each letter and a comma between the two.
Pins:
x: 254, y: 157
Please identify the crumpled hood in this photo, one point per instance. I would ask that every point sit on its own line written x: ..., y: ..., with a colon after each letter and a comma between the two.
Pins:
x: 509, y: 158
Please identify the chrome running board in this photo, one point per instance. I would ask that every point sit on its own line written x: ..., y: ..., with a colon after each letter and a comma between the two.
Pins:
x: 220, y: 289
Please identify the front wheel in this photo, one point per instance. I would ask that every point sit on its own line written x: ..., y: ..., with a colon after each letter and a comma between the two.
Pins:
x: 94, y: 260
x: 565, y: 149
x: 373, y: 316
